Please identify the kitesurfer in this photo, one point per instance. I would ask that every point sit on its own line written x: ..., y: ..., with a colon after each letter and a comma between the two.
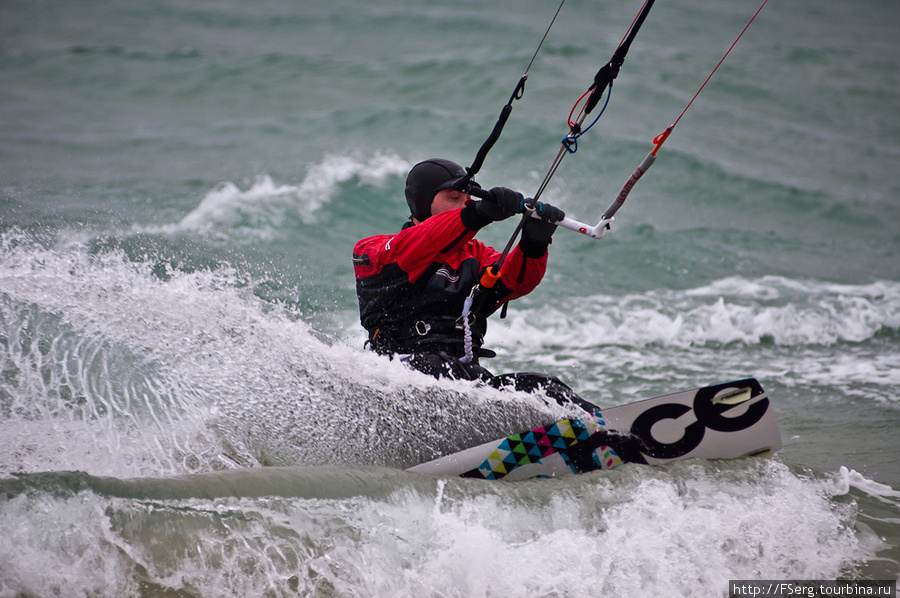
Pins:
x: 412, y: 285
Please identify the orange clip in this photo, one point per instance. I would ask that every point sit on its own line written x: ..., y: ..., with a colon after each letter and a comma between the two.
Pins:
x: 490, y: 277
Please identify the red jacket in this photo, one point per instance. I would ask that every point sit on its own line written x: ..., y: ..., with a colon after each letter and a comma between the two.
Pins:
x: 411, y: 285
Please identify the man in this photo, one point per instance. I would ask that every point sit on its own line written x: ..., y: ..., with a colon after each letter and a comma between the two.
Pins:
x: 412, y: 285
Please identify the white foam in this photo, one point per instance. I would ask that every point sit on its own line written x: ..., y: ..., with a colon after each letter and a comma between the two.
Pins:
x: 730, y: 310
x: 61, y: 547
x: 227, y: 204
x: 850, y: 478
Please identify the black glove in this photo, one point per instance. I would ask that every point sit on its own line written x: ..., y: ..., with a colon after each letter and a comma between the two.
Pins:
x: 540, y: 230
x: 549, y: 213
x: 501, y: 203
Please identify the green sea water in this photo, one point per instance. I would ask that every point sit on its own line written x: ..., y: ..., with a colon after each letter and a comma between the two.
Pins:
x: 181, y: 185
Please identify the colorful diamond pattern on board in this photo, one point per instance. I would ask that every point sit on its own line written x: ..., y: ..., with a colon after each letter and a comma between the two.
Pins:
x: 605, y: 457
x: 531, y: 447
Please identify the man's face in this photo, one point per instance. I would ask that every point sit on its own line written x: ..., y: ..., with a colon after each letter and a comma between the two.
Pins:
x: 448, y: 199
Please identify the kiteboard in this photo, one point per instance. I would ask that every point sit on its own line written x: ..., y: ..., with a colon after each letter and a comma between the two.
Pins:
x: 724, y: 421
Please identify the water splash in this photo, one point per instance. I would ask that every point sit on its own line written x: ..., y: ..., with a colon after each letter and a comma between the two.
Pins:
x: 194, y: 372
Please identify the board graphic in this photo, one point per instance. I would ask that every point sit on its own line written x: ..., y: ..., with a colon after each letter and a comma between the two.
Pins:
x: 724, y: 421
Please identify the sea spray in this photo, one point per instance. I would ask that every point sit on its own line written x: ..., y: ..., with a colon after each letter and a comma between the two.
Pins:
x: 197, y: 353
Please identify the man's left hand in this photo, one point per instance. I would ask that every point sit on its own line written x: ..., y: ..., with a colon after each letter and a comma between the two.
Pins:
x: 541, y: 229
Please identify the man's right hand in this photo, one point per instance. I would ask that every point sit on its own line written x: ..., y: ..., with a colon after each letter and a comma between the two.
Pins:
x: 501, y: 203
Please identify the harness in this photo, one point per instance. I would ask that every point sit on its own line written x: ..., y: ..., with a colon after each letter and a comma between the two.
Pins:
x: 434, y: 335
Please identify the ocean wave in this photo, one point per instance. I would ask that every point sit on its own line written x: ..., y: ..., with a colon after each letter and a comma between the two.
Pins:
x: 262, y: 209
x: 349, y: 533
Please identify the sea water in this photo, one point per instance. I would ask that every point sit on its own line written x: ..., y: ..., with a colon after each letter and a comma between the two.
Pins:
x: 186, y: 407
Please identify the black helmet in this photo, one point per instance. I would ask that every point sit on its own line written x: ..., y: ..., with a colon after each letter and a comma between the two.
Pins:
x: 426, y: 179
